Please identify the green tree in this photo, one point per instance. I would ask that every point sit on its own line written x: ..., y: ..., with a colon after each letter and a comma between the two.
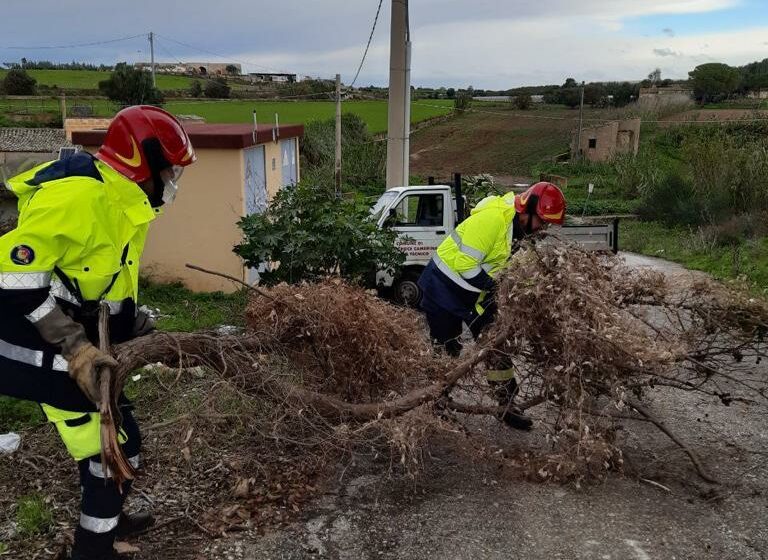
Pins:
x: 217, y: 88
x: 594, y: 94
x: 570, y: 83
x: 232, y: 70
x: 523, y: 101
x: 570, y: 97
x: 195, y: 89
x: 18, y: 82
x: 312, y: 234
x: 450, y: 93
x: 714, y: 81
x: 131, y: 86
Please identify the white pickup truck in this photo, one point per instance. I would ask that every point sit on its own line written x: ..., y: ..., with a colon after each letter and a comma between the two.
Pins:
x: 425, y: 215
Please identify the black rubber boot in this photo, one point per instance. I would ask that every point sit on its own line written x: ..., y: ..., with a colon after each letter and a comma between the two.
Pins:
x: 93, y: 546
x: 514, y: 418
x: 505, y: 392
x: 131, y: 524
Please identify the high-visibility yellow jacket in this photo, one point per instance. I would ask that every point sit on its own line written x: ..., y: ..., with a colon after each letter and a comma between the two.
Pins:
x: 467, y: 260
x: 81, y: 231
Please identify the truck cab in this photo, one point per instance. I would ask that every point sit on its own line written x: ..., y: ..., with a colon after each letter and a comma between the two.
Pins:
x: 424, y: 215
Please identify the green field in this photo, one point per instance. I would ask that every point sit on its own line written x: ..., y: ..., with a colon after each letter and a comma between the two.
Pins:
x: 373, y: 112
x: 89, y: 79
x: 241, y: 111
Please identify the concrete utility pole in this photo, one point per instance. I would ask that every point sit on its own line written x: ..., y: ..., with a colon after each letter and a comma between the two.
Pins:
x: 581, y: 122
x: 152, y: 57
x: 399, y: 118
x: 338, y: 136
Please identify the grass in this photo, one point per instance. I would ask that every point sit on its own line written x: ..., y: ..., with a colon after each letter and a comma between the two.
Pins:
x: 89, y: 79
x: 241, y: 111
x: 33, y: 515
x: 683, y: 245
x: 374, y: 113
x: 188, y: 311
x: 15, y: 414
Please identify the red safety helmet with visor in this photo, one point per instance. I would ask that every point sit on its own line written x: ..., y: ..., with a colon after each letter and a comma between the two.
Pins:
x: 145, y: 142
x: 549, y: 202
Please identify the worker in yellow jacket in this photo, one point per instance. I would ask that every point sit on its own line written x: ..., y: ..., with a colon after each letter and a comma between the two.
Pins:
x: 83, y: 222
x: 458, y: 284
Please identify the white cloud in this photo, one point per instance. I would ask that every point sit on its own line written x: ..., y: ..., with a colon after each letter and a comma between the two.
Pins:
x: 666, y: 52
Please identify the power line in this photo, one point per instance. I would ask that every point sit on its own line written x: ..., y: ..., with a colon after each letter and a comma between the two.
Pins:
x: 74, y: 46
x: 370, y: 38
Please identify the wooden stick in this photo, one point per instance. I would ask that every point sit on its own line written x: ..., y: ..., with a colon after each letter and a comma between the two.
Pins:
x: 113, y: 458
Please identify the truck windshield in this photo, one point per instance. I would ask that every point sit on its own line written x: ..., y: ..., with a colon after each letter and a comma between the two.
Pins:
x: 386, y: 199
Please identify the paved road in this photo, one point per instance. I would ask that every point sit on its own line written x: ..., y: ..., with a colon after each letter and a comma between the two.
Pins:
x: 463, y: 509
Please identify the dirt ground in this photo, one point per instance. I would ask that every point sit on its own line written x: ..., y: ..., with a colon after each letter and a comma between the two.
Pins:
x: 501, y: 142
x: 464, y: 505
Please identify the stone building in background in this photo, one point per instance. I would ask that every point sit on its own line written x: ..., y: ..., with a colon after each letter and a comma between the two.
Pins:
x: 601, y: 143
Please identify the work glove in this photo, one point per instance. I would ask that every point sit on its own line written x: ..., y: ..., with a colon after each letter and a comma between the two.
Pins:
x: 85, y: 360
x: 143, y: 325
x: 85, y: 367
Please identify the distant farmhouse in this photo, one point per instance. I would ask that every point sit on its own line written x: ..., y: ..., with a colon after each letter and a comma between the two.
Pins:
x: 260, y: 77
x: 200, y: 68
x: 668, y: 95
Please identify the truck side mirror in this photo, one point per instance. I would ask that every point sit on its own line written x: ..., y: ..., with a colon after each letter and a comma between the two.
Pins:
x: 391, y: 218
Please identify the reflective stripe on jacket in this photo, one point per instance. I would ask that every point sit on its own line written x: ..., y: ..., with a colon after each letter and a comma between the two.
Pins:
x: 80, y: 223
x: 465, y: 262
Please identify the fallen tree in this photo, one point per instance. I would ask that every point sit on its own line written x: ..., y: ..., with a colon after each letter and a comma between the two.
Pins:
x: 591, y: 341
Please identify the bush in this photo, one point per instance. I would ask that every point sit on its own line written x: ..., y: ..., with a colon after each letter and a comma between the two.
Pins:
x: 217, y: 88
x: 523, y: 101
x: 363, y: 159
x: 195, y: 89
x: 462, y: 101
x: 18, y: 82
x: 131, y: 86
x: 312, y: 234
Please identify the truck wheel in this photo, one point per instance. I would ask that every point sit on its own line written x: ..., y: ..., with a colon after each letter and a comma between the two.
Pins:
x: 407, y: 291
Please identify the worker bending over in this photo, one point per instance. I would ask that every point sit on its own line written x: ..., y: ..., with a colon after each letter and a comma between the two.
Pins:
x: 458, y: 284
x: 83, y: 222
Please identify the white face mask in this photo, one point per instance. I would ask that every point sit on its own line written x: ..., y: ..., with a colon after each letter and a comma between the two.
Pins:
x: 170, y: 179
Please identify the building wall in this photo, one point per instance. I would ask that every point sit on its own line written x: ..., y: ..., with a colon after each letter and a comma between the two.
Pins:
x: 201, y: 226
x: 601, y: 143
x: 71, y: 125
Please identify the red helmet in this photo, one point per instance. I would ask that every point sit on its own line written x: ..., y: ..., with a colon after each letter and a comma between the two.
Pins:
x: 142, y: 140
x: 550, y: 202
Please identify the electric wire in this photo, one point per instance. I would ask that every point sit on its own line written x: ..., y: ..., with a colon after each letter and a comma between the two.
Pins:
x: 78, y: 45
x: 368, y: 46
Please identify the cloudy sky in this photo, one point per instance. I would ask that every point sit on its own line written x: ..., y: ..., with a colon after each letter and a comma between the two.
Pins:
x: 486, y: 43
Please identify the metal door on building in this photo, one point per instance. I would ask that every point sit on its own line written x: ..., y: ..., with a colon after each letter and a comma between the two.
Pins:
x: 255, y: 189
x: 256, y: 198
x: 289, y: 161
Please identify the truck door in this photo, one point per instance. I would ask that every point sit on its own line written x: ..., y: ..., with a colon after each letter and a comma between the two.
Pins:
x: 424, y: 219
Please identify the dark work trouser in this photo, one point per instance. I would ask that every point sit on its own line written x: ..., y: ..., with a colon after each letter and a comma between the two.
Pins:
x: 101, y: 501
x: 445, y: 328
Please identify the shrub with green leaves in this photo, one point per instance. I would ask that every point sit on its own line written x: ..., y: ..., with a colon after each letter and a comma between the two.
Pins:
x: 363, y: 159
x: 307, y: 233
